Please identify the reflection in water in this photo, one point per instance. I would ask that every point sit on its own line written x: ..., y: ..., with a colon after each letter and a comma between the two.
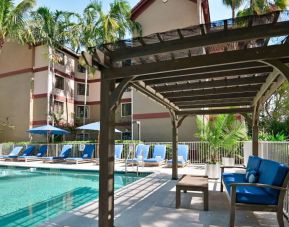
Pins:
x: 30, y: 198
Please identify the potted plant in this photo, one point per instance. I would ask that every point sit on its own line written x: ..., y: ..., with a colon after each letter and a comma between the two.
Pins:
x: 235, y: 130
x: 222, y: 131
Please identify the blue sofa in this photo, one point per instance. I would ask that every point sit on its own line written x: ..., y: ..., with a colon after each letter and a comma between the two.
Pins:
x: 265, y: 191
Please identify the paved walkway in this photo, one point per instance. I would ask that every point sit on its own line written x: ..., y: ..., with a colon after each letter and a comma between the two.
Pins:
x: 151, y: 202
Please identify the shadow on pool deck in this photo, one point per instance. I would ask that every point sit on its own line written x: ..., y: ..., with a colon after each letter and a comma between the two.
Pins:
x: 151, y: 202
x: 38, y: 212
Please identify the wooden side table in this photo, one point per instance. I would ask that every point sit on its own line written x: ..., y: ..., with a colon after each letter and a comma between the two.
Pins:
x: 193, y: 183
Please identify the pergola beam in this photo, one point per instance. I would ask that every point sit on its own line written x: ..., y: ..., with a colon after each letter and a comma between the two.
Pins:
x: 208, y: 102
x: 192, y: 75
x: 215, y: 111
x: 274, y: 86
x: 212, y: 105
x: 224, y: 58
x: 213, y: 91
x: 212, y: 84
x: 270, y: 79
x: 214, y: 97
x: 247, y: 33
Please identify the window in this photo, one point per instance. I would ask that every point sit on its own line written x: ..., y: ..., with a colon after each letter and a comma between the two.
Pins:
x: 59, y: 82
x: 80, y: 111
x: 81, y: 69
x: 58, y: 107
x: 59, y: 57
x: 126, y: 136
x: 125, y: 109
x: 81, y: 89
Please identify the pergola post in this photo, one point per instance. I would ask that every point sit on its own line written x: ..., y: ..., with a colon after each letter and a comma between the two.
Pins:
x: 174, y: 120
x: 110, y: 99
x: 255, y: 131
x: 106, y: 156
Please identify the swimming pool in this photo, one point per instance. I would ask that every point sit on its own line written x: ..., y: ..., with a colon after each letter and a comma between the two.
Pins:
x: 31, y: 196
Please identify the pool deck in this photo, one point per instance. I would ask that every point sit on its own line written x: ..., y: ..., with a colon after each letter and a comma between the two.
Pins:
x: 151, y: 202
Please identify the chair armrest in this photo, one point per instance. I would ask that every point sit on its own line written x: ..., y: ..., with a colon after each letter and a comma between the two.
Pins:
x: 233, y: 167
x: 234, y: 185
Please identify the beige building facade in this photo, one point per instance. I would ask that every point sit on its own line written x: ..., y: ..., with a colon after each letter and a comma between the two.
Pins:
x: 151, y: 121
x: 31, y: 95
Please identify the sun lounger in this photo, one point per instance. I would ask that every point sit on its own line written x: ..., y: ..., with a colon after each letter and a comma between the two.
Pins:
x: 66, y: 149
x: 39, y: 156
x: 158, y: 158
x: 85, y: 157
x: 118, y: 152
x: 142, y: 152
x: 183, y: 152
x: 13, y: 154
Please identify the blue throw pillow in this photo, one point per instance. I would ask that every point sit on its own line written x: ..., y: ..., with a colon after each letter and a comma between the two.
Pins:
x: 252, y: 176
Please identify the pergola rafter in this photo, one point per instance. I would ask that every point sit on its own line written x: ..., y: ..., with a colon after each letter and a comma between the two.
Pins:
x: 202, y: 61
x: 211, y: 75
x: 211, y: 84
x: 231, y: 66
x: 213, y: 91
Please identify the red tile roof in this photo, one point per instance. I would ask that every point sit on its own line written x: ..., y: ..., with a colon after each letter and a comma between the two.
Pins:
x: 144, y: 4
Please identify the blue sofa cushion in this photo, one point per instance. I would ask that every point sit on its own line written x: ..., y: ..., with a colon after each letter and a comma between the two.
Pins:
x: 248, y: 194
x: 252, y: 176
x: 229, y: 178
x: 254, y: 195
x: 253, y: 163
x: 272, y: 173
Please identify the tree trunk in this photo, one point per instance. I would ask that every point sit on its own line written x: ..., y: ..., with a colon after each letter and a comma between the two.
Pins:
x: 2, y: 41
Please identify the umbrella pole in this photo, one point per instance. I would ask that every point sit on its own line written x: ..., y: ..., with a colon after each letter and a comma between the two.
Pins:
x: 97, y: 150
x: 47, y: 141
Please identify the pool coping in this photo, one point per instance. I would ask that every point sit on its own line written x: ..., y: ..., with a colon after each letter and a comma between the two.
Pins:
x: 74, y: 170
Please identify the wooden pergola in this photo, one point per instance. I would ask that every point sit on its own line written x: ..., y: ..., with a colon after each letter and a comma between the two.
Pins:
x: 230, y: 66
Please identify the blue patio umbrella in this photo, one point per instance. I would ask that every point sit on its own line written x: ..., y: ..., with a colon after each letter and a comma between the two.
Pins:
x: 93, y: 127
x: 47, y: 130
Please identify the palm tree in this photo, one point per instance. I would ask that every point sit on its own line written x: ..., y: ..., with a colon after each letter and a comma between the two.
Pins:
x: 53, y: 30
x: 234, y: 5
x: 222, y: 131
x: 97, y: 27
x: 13, y: 21
x: 263, y: 6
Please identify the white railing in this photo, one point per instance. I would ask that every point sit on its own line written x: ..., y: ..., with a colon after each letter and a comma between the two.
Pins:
x: 199, y: 152
x: 277, y: 151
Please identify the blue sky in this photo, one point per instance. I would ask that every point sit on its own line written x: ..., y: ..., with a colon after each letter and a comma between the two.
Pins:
x: 217, y: 9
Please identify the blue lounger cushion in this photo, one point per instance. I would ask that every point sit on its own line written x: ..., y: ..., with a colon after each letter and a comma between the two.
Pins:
x: 86, y: 154
x: 159, y: 154
x: 28, y: 151
x: 142, y: 151
x: 14, y: 153
x: 152, y: 160
x: 273, y: 173
x: 118, y: 151
x: 66, y: 149
x: 183, y: 153
x: 41, y: 153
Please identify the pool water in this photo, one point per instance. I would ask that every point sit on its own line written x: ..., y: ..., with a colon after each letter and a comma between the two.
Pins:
x: 31, y: 196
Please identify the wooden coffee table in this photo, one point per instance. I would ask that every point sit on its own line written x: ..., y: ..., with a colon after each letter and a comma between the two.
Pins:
x: 193, y: 183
